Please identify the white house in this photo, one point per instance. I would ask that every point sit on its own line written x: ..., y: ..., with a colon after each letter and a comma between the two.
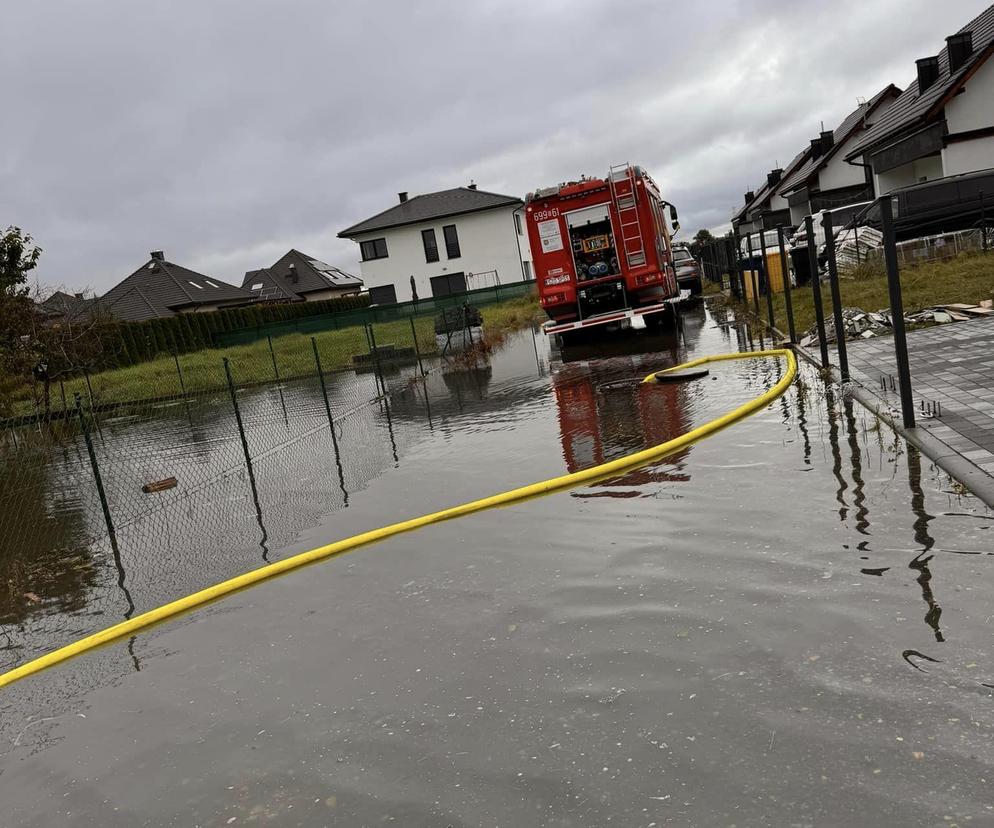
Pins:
x: 765, y: 208
x: 943, y: 123
x: 445, y: 242
x: 825, y: 180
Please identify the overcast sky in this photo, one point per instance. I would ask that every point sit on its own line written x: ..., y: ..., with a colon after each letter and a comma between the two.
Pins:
x: 227, y: 131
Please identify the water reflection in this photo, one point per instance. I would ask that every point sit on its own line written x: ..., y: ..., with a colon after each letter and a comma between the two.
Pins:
x: 605, y: 412
x: 920, y: 564
x: 468, y: 379
x: 856, y: 461
x: 695, y: 677
x: 63, y: 576
x: 45, y: 555
x: 836, y: 449
x: 924, y: 539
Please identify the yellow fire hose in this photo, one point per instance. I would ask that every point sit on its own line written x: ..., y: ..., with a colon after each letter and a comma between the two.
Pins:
x: 544, y: 487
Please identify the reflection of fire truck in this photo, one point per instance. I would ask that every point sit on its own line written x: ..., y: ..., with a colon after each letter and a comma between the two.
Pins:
x: 596, y: 426
x: 601, y: 251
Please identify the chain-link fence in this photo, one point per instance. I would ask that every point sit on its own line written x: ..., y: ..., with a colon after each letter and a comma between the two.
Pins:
x: 129, y: 488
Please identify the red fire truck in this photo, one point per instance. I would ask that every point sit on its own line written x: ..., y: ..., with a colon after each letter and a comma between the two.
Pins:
x: 602, y: 252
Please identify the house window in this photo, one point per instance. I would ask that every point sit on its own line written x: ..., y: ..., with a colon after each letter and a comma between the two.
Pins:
x: 517, y: 223
x: 451, y: 241
x: 373, y: 249
x: 431, y: 245
x: 528, y: 270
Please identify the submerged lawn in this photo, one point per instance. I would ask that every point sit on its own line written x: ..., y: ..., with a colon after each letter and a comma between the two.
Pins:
x: 293, y: 355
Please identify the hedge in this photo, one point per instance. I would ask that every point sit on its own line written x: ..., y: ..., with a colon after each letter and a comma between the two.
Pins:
x: 134, y: 342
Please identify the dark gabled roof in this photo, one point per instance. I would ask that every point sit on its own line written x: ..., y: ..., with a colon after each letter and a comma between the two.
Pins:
x: 135, y: 305
x: 912, y: 110
x: 67, y: 305
x: 280, y: 283
x: 766, y: 191
x: 264, y: 285
x: 432, y: 206
x: 852, y: 123
x: 161, y: 288
x: 312, y: 274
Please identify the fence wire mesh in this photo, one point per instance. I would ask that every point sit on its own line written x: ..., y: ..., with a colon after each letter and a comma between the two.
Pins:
x: 125, y: 489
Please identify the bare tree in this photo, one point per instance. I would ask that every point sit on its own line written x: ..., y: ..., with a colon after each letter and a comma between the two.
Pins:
x: 67, y: 342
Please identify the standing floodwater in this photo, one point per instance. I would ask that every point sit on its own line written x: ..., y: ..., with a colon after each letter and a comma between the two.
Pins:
x: 786, y: 624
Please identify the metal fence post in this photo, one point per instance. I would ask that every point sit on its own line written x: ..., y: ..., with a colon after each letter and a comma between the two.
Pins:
x: 241, y: 426
x: 738, y: 281
x: 377, y: 368
x: 833, y: 278
x: 764, y: 274
x: 897, y: 312
x: 788, y: 303
x: 89, y: 390
x: 179, y: 373
x: 816, y: 290
x: 327, y: 405
x: 752, y: 276
x: 386, y: 396
x: 983, y: 221
x: 101, y: 493
x: 468, y: 329
x: 272, y: 357
x: 417, y: 351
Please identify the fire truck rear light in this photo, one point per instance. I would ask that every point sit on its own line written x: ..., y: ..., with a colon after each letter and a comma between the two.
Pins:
x: 553, y: 298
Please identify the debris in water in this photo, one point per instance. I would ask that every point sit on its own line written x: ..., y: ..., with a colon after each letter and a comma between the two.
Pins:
x: 159, y: 485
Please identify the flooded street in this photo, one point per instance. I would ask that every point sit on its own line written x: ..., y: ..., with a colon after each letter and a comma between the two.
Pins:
x: 787, y: 624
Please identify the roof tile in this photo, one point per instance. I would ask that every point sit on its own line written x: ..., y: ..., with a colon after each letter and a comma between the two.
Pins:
x: 911, y: 108
x: 431, y: 206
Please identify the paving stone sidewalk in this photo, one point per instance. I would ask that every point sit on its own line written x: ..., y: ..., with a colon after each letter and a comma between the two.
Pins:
x: 952, y: 364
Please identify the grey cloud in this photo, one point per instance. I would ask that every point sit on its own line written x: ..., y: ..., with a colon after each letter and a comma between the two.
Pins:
x: 227, y: 131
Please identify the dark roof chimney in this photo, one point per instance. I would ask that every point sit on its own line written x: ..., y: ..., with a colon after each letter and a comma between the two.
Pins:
x: 827, y: 140
x: 959, y: 47
x: 292, y: 273
x: 749, y: 196
x: 402, y: 196
x: 928, y: 72
x: 158, y: 255
x: 774, y: 176
x: 816, y: 148
x: 472, y: 185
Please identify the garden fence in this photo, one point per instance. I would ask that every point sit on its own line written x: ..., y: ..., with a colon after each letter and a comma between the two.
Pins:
x: 110, y: 505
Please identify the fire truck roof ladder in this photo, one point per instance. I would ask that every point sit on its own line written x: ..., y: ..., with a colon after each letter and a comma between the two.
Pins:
x: 622, y: 180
